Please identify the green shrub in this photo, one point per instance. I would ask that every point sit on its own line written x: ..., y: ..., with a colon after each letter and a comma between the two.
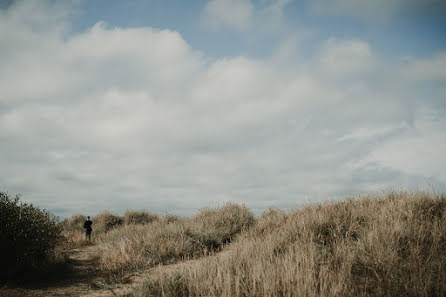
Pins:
x: 139, y: 217
x: 28, y: 236
x: 106, y: 221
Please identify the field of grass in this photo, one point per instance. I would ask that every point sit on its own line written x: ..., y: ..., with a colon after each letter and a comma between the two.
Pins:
x: 389, y: 245
x: 374, y: 246
x: 137, y: 246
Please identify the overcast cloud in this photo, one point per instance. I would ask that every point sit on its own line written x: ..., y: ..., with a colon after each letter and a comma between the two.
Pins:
x: 136, y: 117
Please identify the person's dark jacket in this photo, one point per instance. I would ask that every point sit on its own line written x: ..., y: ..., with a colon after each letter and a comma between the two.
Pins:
x: 87, y: 225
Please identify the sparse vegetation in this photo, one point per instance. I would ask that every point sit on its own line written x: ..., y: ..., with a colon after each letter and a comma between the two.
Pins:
x: 28, y: 237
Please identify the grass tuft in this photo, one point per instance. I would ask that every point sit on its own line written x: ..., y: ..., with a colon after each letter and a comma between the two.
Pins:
x: 139, y: 217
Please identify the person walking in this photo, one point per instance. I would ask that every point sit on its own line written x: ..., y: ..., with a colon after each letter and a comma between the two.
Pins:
x: 87, y: 227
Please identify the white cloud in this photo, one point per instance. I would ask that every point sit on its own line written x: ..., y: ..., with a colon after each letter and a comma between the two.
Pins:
x: 417, y: 151
x: 236, y: 14
x: 244, y: 15
x: 428, y: 69
x: 116, y: 118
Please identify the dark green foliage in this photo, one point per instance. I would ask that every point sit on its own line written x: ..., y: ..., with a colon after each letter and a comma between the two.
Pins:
x: 28, y: 236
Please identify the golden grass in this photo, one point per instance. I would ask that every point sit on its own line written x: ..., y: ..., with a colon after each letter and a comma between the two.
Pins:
x: 139, y: 217
x: 167, y: 241
x: 373, y: 246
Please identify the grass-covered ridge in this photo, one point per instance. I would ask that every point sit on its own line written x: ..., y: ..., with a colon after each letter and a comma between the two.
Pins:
x: 375, y: 246
x: 171, y: 239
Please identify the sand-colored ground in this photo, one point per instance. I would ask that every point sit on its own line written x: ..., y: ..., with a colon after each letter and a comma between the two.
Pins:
x: 83, y: 279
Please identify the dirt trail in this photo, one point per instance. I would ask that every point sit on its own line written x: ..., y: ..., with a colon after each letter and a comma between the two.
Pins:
x: 84, y: 279
x: 79, y: 278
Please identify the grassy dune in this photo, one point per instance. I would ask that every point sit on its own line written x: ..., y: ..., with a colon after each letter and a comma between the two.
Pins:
x: 374, y: 246
x: 171, y: 239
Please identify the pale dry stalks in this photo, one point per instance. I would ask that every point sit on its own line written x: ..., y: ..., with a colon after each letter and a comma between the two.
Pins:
x: 134, y: 247
x: 373, y: 246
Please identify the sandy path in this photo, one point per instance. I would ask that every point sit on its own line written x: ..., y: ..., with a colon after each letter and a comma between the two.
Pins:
x: 135, y: 281
x: 80, y: 278
x: 84, y: 279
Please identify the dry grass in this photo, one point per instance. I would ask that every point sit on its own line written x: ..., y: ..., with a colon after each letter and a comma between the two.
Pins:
x: 73, y: 231
x: 373, y: 246
x: 132, y: 217
x: 135, y: 247
x: 171, y: 218
x: 106, y: 221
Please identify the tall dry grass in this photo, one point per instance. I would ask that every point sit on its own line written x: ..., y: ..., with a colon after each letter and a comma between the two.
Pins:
x: 106, y: 221
x: 139, y: 217
x: 73, y: 231
x: 374, y: 246
x: 133, y: 247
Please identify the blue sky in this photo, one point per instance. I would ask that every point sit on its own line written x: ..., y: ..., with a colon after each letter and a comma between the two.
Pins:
x: 177, y: 105
x: 415, y: 30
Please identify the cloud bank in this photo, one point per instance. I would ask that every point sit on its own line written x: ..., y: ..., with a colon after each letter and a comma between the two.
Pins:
x: 115, y: 118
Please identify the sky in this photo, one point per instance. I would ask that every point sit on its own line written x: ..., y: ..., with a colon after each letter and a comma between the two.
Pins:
x: 172, y: 106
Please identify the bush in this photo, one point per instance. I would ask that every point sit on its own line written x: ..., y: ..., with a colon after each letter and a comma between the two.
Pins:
x: 106, y: 221
x: 215, y: 227
x: 74, y: 223
x: 171, y: 218
x: 139, y: 217
x: 28, y: 236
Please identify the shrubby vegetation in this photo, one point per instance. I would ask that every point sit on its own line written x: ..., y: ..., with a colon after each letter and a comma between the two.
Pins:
x: 28, y: 237
x: 134, y: 247
x: 73, y: 231
x: 105, y: 222
x: 374, y: 246
x: 73, y: 223
x: 171, y: 218
x: 139, y: 217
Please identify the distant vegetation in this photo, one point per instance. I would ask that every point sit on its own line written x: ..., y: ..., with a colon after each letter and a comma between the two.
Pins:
x: 28, y: 236
x: 139, y: 217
